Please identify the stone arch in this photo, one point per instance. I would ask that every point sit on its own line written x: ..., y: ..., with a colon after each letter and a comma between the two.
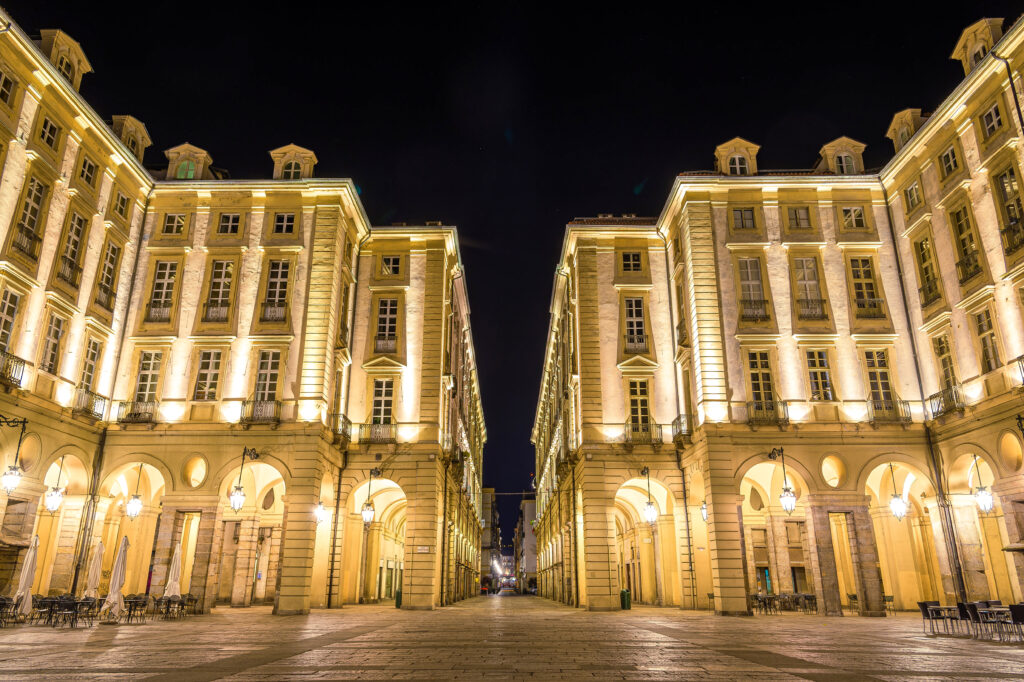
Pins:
x: 870, y: 465
x: 805, y: 475
x: 234, y: 462
x: 63, y: 451
x: 115, y: 466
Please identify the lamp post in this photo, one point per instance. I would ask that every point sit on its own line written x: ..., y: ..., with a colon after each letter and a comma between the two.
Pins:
x: 237, y: 496
x: 704, y: 510
x: 897, y: 504
x: 55, y: 495
x: 787, y: 498
x: 134, y: 506
x: 9, y: 481
x: 650, y: 511
x: 983, y: 496
x: 367, y: 512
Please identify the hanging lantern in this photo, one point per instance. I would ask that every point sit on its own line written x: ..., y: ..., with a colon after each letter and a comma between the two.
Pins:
x: 134, y: 507
x: 898, y: 507
x: 788, y: 499
x: 650, y: 513
x: 321, y: 513
x: 237, y: 498
x: 367, y: 513
x: 9, y: 481
x: 704, y: 510
x: 983, y: 496
x: 53, y: 499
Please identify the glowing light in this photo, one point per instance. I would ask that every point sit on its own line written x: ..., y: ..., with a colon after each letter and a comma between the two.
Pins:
x: 10, y: 479
x: 898, y: 506
x: 65, y: 393
x: 716, y: 412
x: 231, y: 412
x: 788, y: 499
x: 855, y: 412
x: 367, y: 513
x: 974, y: 391
x: 799, y: 412
x: 237, y: 498
x: 53, y: 499
x: 983, y: 496
x: 134, y: 507
x: 309, y: 410
x: 407, y: 433
x: 650, y: 513
x: 704, y: 510
x: 612, y: 432
x: 321, y: 513
x: 172, y: 411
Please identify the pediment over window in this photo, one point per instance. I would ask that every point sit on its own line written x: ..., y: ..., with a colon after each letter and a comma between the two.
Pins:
x: 736, y: 157
x: 637, y: 364
x: 976, y: 41
x: 133, y: 133
x: 292, y: 162
x: 904, y: 124
x: 66, y: 54
x: 188, y: 162
x: 842, y: 156
x: 383, y: 364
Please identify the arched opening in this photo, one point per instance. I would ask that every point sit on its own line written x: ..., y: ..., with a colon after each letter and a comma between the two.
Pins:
x: 58, y: 516
x: 374, y: 553
x: 250, y: 535
x: 645, y: 542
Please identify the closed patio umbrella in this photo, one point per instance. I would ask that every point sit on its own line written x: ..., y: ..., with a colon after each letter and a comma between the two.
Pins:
x: 174, y: 575
x: 28, y: 574
x: 92, y: 583
x: 115, y: 600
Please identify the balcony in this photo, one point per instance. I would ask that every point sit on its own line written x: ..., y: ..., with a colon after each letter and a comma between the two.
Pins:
x: 635, y: 344
x: 681, y: 429
x: 1013, y: 238
x: 869, y: 308
x: 682, y: 338
x: 68, y: 271
x: 385, y: 343
x: 642, y: 433
x: 811, y: 309
x: 137, y: 411
x: 12, y: 370
x: 26, y: 241
x: 377, y: 433
x: 929, y: 292
x: 753, y: 310
x: 949, y: 399
x: 89, y: 404
x: 342, y: 430
x: 216, y: 311
x: 261, y: 411
x: 105, y: 297
x: 158, y: 311
x: 969, y: 266
x: 760, y: 412
x: 274, y: 311
x: 891, y: 410
x: 343, y: 336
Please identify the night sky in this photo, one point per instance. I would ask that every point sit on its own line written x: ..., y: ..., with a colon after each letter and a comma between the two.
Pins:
x: 509, y: 121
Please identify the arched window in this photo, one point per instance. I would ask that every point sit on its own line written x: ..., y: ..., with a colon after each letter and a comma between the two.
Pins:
x: 844, y: 164
x: 738, y: 165
x: 65, y: 67
x: 186, y: 170
x: 292, y: 171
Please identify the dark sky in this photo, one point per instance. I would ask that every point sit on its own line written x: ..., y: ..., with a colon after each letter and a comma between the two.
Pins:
x: 508, y: 121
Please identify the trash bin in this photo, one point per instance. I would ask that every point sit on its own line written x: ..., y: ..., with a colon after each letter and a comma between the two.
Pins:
x: 398, y: 599
x: 624, y: 600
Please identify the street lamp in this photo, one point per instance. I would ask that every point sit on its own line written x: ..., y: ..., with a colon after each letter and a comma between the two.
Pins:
x: 55, y: 495
x: 897, y: 504
x: 983, y: 496
x: 650, y: 511
x: 134, y: 506
x: 321, y: 513
x: 10, y: 478
x: 704, y: 510
x: 237, y: 496
x: 787, y: 498
x: 368, y: 510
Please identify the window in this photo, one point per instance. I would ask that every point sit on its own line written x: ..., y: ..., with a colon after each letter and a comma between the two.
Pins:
x: 6, y: 89
x: 32, y: 208
x: 292, y: 171
x: 1008, y: 194
x: 948, y: 161
x: 8, y: 314
x: 164, y: 274
x: 228, y: 223
x: 631, y: 261
x: 186, y: 170
x: 879, y: 381
x: 90, y: 363
x: 121, y: 205
x: 844, y: 164
x: 926, y: 270
x: 133, y: 145
x: 738, y: 165
x: 743, y: 219
x: 761, y: 391
x: 947, y: 373
x: 383, y: 395
x: 635, y: 329
x: 108, y: 276
x: 903, y: 135
x: 220, y: 283
x: 68, y: 268
x: 819, y: 375
x: 284, y: 223
x: 391, y: 266
x: 51, y: 345
x: 987, y: 341
x: 991, y: 121
x: 978, y: 55
x: 266, y: 376
x: 277, y: 281
x: 912, y: 197
x: 88, y: 172
x: 810, y: 302
x: 853, y: 218
x: 865, y: 295
x: 174, y: 223
x: 751, y: 288
x: 799, y: 218
x: 387, y: 318
x: 65, y: 67
x: 48, y: 133
x: 639, y: 402
x: 208, y: 375
x: 149, y: 376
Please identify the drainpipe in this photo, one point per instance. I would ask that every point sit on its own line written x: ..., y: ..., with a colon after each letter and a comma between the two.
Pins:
x: 444, y: 535
x: 1013, y: 89
x: 949, y: 533
x: 334, y: 539
x: 689, y: 541
x: 575, y: 550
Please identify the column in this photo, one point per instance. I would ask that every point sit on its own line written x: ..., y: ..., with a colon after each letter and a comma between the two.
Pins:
x: 206, y: 566
x: 725, y: 532
x: 824, y: 575
x: 598, y: 510
x: 778, y: 552
x: 67, y: 542
x: 865, y: 562
x: 245, y: 561
x: 1010, y: 492
x: 167, y: 535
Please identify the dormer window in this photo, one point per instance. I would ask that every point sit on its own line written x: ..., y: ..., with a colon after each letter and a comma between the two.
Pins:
x: 186, y: 170
x: 904, y: 135
x: 292, y: 171
x: 978, y: 55
x: 133, y: 146
x: 65, y: 67
x: 844, y: 164
x: 738, y: 165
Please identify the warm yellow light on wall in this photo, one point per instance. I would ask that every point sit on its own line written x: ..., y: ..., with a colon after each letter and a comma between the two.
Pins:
x: 974, y: 391
x: 231, y: 411
x: 172, y: 411
x: 612, y: 432
x: 65, y: 393
x: 855, y: 412
x: 715, y: 411
x: 799, y: 412
x: 310, y: 410
x: 408, y: 433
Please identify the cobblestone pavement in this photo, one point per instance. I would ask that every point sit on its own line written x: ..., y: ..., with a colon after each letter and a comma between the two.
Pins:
x: 503, y: 637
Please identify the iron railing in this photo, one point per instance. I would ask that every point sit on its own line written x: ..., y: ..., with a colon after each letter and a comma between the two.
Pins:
x: 1013, y: 238
x: 680, y: 428
x: 69, y: 271
x: 929, y: 291
x: 343, y: 336
x: 811, y: 309
x: 949, y: 399
x: 274, y: 311
x: 682, y: 338
x: 158, y: 311
x: 378, y: 433
x: 753, y: 310
x: 105, y: 297
x: 869, y: 308
x: 342, y: 429
x: 261, y: 411
x: 385, y: 343
x: 767, y: 412
x: 216, y: 311
x: 636, y: 344
x: 27, y: 241
x: 12, y: 370
x: 137, y: 411
x: 969, y: 266
x: 89, y: 403
x: 888, y: 410
x: 642, y: 433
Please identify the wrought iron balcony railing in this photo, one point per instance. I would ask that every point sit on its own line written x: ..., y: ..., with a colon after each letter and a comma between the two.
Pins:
x: 26, y: 241
x: 811, y: 309
x: 949, y: 399
x: 261, y: 411
x: 158, y: 311
x: 274, y: 311
x: 378, y: 433
x: 342, y: 430
x: 889, y: 410
x: 753, y: 310
x: 105, y: 297
x: 642, y: 433
x: 767, y: 412
x: 137, y: 411
x: 68, y: 271
x: 12, y: 370
x: 88, y: 403
x: 929, y: 291
x: 216, y: 311
x: 343, y: 336
x: 969, y: 266
x: 869, y: 308
x: 635, y: 344
x: 1013, y: 238
x: 682, y: 337
x: 680, y: 428
x: 385, y: 343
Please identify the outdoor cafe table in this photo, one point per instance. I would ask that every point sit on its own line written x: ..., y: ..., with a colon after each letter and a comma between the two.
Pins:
x: 995, y: 615
x: 936, y: 612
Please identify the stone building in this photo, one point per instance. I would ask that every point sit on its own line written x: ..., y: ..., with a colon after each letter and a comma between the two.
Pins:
x: 525, y: 547
x: 490, y: 543
x: 155, y: 324
x: 800, y: 381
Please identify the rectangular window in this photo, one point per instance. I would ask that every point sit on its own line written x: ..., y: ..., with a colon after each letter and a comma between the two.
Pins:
x: 174, y: 223
x: 387, y: 318
x: 88, y: 172
x: 799, y: 218
x: 164, y: 274
x: 879, y: 381
x: 819, y: 375
x: 284, y: 223
x: 743, y: 219
x: 266, y: 375
x: 1008, y: 194
x: 48, y: 133
x: 221, y: 272
x: 207, y: 375
x: 808, y: 288
x: 277, y: 281
x: 761, y: 391
x: 383, y: 396
x: 863, y: 279
x: 853, y: 218
x: 639, y: 403
x: 987, y: 341
x: 32, y: 208
x: 121, y: 205
x: 6, y: 89
x: 991, y: 121
x: 751, y: 288
x: 108, y: 276
x: 73, y: 240
x: 149, y: 376
x: 949, y: 162
x: 8, y: 314
x: 912, y: 197
x: 228, y: 223
x: 51, y: 345
x: 90, y: 363
x: 391, y: 266
x: 635, y: 327
x: 631, y: 261
x: 926, y: 270
x: 947, y: 373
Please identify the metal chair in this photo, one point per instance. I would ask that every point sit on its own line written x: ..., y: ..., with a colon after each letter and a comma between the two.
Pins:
x: 1017, y: 620
x: 889, y: 602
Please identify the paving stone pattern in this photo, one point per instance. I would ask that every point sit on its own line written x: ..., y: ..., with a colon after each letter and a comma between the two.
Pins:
x: 503, y: 637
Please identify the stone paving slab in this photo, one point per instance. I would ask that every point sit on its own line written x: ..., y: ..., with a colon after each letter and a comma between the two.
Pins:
x: 505, y: 637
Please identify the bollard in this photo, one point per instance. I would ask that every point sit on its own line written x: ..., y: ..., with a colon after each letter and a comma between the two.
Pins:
x: 398, y: 599
x: 624, y: 602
